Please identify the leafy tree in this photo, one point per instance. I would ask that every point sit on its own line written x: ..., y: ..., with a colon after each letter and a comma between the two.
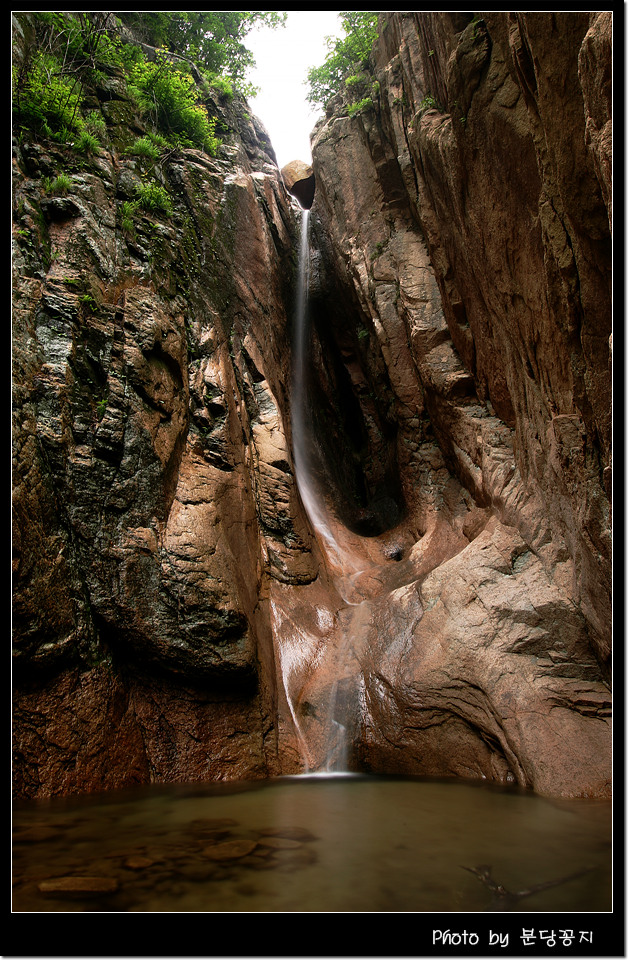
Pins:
x: 68, y: 50
x: 346, y: 55
x: 213, y: 39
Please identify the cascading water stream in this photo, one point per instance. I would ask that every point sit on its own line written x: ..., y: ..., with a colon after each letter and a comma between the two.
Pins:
x: 299, y: 398
x: 342, y: 561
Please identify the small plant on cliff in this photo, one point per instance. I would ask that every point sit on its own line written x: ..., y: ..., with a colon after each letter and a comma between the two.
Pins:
x: 127, y: 216
x: 154, y: 199
x: 222, y: 85
x: 59, y: 186
x: 144, y: 147
x: 88, y: 303
x: 428, y: 103
x: 365, y: 104
x: 87, y: 143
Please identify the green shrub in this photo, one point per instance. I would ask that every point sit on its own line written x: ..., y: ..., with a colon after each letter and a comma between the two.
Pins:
x: 153, y: 198
x: 161, y: 142
x: 428, y: 103
x: 127, y: 215
x: 63, y: 135
x: 95, y: 124
x: 59, y: 186
x: 88, y: 302
x: 344, y: 56
x: 363, y: 104
x: 45, y: 100
x: 170, y: 99
x: 62, y: 55
x: 87, y: 143
x: 144, y: 147
x: 222, y: 85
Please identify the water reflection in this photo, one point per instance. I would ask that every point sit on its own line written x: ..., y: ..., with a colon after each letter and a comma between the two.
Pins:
x: 313, y: 843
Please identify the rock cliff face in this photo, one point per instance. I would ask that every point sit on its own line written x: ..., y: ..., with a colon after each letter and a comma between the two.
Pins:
x: 176, y: 614
x: 467, y: 214
x: 151, y: 469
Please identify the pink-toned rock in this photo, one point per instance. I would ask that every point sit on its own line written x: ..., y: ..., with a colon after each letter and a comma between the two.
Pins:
x: 176, y: 616
x: 300, y: 181
x: 458, y: 289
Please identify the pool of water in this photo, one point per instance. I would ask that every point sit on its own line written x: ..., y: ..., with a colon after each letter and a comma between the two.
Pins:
x: 321, y: 843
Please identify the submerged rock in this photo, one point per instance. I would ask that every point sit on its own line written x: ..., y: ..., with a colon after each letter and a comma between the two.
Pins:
x: 230, y: 849
x: 77, y: 888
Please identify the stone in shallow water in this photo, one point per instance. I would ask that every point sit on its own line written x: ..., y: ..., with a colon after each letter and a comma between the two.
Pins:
x: 230, y: 849
x: 138, y: 863
x: 69, y: 888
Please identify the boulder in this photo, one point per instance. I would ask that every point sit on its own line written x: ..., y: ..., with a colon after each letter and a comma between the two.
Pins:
x: 300, y: 182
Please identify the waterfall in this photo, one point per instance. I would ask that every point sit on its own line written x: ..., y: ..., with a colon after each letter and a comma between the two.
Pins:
x: 342, y: 695
x: 315, y: 507
x: 313, y: 504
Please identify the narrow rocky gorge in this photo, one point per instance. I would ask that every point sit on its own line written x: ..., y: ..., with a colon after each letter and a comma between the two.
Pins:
x: 175, y: 616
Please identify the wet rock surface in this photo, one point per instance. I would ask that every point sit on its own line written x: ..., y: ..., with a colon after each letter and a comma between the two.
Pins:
x: 152, y: 485
x: 175, y: 615
x: 454, y: 280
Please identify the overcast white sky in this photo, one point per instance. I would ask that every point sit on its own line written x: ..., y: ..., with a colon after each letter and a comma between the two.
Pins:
x: 284, y: 57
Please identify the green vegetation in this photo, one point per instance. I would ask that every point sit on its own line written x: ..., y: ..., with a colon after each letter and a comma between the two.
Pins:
x: 127, y: 216
x: 44, y: 99
x: 346, y: 58
x: 95, y: 124
x: 360, y: 105
x: 212, y: 40
x: 64, y: 54
x: 154, y: 199
x: 88, y: 302
x: 87, y: 143
x: 59, y: 186
x: 67, y: 55
x: 144, y: 147
x: 169, y: 99
x: 150, y: 198
x: 428, y: 103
